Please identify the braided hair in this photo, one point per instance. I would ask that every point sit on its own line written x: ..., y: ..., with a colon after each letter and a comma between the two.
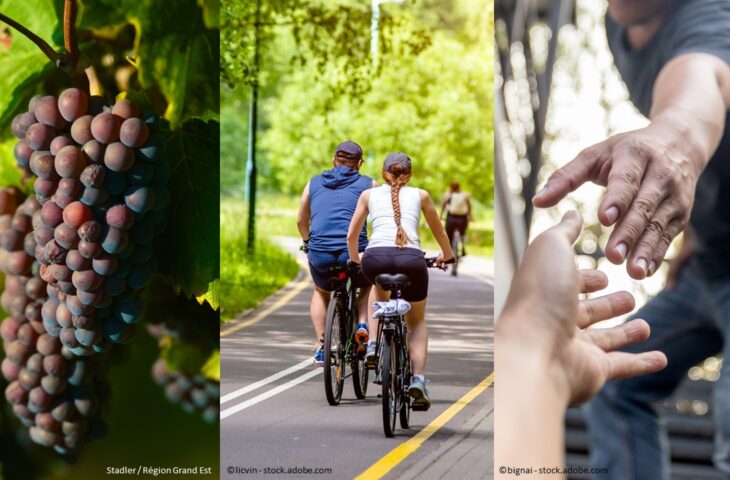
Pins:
x: 397, y: 176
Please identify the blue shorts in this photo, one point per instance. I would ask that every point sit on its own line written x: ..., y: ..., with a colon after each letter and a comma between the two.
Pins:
x: 321, y: 264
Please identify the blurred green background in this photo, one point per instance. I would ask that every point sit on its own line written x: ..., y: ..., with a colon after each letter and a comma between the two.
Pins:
x: 429, y: 94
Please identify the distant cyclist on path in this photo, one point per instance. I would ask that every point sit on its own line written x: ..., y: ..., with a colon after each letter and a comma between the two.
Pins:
x: 457, y: 205
x: 326, y: 208
x: 395, y: 210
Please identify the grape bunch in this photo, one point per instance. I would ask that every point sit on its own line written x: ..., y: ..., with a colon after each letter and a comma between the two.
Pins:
x: 102, y: 189
x: 53, y: 392
x: 194, y: 393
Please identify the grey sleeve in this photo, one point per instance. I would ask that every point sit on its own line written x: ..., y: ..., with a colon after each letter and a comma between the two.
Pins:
x: 701, y: 27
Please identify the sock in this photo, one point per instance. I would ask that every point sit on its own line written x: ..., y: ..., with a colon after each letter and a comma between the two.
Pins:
x: 420, y: 377
x: 371, y: 342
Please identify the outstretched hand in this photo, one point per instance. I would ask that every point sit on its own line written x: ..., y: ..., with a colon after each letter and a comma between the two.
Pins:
x: 650, y: 177
x: 544, y: 315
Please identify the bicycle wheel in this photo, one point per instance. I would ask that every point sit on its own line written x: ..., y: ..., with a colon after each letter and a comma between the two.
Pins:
x: 405, y: 409
x: 359, y: 377
x: 455, y: 246
x: 390, y: 386
x: 334, y: 351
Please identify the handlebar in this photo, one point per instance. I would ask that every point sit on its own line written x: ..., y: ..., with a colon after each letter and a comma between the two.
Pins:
x: 431, y: 263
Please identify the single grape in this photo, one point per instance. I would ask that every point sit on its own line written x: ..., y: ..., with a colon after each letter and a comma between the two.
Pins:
x: 75, y: 261
x: 90, y: 231
x: 150, y: 150
x: 46, y: 111
x: 61, y: 272
x: 93, y: 176
x: 70, y: 162
x: 90, y: 298
x: 66, y: 236
x: 105, y: 264
x: 94, y: 151
x: 64, y: 318
x: 129, y: 312
x: 21, y: 123
x: 51, y: 214
x: 76, y: 214
x: 22, y: 153
x: 86, y: 280
x: 39, y: 136
x: 59, y: 142
x: 139, y: 199
x: 44, y: 189
x: 114, y: 240
x: 105, y: 128
x: 81, y: 130
x: 62, y: 200
x: 42, y: 165
x: 94, y: 197
x: 119, y: 216
x: 89, y: 249
x: 18, y: 263
x: 133, y: 132
x: 54, y: 252
x: 11, y: 240
x: 83, y: 321
x: 125, y: 109
x: 72, y: 104
x: 118, y: 157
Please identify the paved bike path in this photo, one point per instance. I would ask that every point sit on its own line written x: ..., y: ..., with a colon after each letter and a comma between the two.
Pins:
x: 281, y: 417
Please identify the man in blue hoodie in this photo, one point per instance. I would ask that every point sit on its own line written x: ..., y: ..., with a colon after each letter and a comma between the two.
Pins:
x: 327, y: 205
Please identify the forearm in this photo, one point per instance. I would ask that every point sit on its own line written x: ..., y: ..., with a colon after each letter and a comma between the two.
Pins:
x: 690, y: 102
x: 303, y: 227
x: 352, y: 247
x: 529, y: 433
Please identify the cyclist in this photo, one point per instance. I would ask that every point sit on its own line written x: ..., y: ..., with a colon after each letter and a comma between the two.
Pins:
x: 457, y: 205
x: 327, y: 205
x: 395, y: 209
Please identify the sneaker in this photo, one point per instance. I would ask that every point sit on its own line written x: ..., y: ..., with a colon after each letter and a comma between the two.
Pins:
x: 319, y: 357
x: 421, y: 401
x: 370, y: 355
x: 361, y: 337
x: 463, y: 252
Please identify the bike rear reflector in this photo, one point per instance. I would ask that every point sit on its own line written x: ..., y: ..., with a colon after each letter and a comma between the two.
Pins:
x: 342, y: 275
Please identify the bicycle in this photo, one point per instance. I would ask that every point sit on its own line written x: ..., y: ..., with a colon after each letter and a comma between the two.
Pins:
x: 340, y: 347
x: 392, y: 360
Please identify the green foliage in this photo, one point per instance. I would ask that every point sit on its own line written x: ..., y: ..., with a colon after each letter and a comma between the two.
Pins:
x: 175, y: 49
x: 431, y: 97
x: 249, y: 278
x: 191, y: 257
x: 22, y: 64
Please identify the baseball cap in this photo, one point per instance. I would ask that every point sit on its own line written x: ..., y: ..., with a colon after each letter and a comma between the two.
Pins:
x: 350, y: 149
x: 397, y: 158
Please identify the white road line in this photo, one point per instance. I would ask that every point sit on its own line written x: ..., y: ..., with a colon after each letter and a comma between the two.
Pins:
x: 256, y: 385
x: 270, y: 393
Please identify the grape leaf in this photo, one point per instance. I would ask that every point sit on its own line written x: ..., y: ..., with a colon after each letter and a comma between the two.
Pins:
x: 191, y: 257
x: 174, y: 50
x: 212, y: 368
x: 9, y: 172
x: 212, y: 296
x: 22, y: 65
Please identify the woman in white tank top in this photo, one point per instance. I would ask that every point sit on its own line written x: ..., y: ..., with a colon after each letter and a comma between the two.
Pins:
x: 395, y: 210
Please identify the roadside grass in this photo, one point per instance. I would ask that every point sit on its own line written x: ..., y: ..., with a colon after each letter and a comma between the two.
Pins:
x: 246, y: 279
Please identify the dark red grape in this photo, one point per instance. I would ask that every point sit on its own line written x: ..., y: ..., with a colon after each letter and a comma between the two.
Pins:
x: 69, y: 187
x: 39, y: 136
x: 125, y: 109
x: 133, y: 132
x: 93, y: 176
x: 70, y: 162
x: 81, y: 129
x: 72, y: 103
x: 42, y: 165
x: 21, y: 123
x: 105, y: 127
x: 59, y: 142
x: 86, y: 280
x: 75, y: 261
x: 22, y: 153
x: 89, y: 249
x: 119, y: 216
x: 94, y: 196
x: 94, y: 151
x: 65, y: 235
x: 76, y: 214
x: 139, y: 199
x: 105, y: 264
x: 46, y: 111
x: 90, y: 231
x: 51, y: 214
x: 44, y: 189
x: 118, y: 157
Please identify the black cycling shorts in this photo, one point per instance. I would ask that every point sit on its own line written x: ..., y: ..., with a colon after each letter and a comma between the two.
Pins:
x: 409, y: 261
x: 454, y: 223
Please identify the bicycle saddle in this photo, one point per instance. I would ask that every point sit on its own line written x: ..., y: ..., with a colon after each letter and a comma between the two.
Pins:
x: 388, y: 281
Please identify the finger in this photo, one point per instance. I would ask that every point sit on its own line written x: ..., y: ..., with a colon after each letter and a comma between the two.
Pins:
x: 597, y: 309
x: 624, y: 365
x: 570, y: 226
x: 609, y: 339
x: 639, y: 264
x: 571, y: 176
x: 592, y: 280
x: 670, y: 232
x: 635, y: 222
x: 623, y: 182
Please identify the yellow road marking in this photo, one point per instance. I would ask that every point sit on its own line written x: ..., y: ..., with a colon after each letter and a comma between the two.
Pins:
x: 380, y: 468
x: 298, y: 287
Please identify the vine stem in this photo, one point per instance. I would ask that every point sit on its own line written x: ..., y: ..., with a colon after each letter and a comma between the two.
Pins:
x: 38, y: 41
x: 70, y: 41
